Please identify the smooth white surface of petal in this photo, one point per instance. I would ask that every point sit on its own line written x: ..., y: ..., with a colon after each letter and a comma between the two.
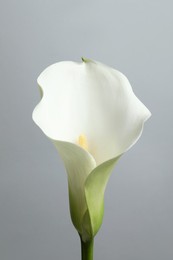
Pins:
x: 93, y: 99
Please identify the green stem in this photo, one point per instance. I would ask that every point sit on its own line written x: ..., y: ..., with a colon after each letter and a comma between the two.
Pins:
x: 87, y: 250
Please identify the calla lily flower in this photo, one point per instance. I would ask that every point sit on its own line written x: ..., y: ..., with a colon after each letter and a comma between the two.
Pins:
x: 92, y: 116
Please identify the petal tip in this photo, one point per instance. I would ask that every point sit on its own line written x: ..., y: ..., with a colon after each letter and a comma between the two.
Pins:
x: 85, y: 59
x: 148, y: 115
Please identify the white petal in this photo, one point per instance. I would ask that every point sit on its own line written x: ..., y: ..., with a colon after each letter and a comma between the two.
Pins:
x: 92, y: 99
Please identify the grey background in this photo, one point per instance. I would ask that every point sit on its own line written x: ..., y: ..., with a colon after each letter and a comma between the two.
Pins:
x: 133, y: 36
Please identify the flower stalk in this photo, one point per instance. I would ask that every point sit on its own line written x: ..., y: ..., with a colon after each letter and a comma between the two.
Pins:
x: 87, y: 249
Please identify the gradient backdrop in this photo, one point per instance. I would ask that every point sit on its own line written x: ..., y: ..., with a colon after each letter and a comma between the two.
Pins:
x: 133, y: 36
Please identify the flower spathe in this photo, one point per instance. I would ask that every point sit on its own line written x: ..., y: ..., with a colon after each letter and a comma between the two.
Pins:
x: 92, y: 116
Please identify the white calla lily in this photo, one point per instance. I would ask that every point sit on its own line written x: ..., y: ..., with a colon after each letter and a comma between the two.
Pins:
x: 92, y: 116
